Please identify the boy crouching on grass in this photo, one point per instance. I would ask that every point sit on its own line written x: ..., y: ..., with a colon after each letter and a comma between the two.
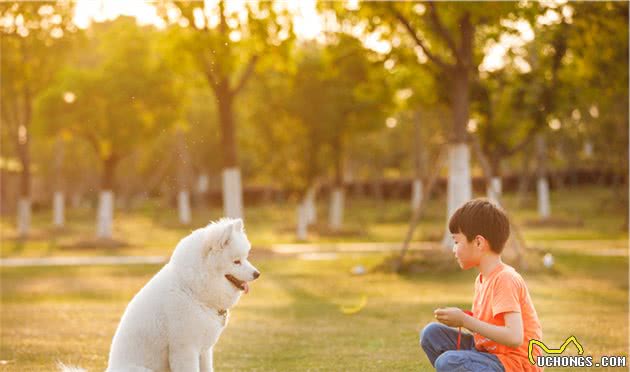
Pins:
x: 503, y: 317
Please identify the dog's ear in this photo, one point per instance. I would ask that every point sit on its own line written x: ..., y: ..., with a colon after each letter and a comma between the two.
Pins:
x: 225, y: 235
x: 237, y: 226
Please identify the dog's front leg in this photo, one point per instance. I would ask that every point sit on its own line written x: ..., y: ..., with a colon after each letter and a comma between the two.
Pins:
x: 205, y: 361
x: 183, y: 360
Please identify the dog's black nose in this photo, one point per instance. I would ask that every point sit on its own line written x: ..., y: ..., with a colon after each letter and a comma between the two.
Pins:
x: 256, y: 274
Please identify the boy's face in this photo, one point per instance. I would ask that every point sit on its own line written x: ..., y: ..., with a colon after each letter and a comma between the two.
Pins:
x: 468, y: 254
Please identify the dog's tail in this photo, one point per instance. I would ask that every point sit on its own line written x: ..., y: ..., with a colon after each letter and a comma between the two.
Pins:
x: 64, y: 368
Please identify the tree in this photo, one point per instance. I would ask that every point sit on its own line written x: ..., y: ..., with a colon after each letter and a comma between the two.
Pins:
x: 446, y: 35
x: 338, y: 94
x: 597, y: 87
x: 118, y: 106
x: 226, y: 44
x: 34, y: 39
x: 525, y: 92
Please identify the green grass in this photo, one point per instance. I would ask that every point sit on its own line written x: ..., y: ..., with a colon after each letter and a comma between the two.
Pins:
x: 292, y: 319
x: 578, y: 214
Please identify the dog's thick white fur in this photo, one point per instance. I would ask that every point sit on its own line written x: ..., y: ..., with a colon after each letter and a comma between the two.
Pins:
x: 173, y: 323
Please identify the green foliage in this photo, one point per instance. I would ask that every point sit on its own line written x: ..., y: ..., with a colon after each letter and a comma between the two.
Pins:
x: 595, y: 108
x: 117, y: 106
x: 35, y: 37
x: 333, y: 94
x: 225, y: 44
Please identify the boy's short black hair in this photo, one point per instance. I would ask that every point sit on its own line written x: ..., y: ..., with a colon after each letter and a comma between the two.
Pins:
x: 481, y: 217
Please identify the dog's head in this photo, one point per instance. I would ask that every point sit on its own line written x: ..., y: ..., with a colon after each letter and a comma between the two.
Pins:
x: 228, y: 253
x: 213, y: 262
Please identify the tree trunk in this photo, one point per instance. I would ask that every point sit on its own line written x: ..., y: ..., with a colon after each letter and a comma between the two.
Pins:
x: 459, y: 179
x: 24, y: 217
x: 416, y: 194
x: 232, y: 189
x: 491, y: 171
x: 336, y: 208
x: 416, y: 188
x: 183, y: 207
x: 310, y: 204
x: 495, y: 187
x: 544, y: 206
x: 183, y: 180
x: 459, y: 187
x: 105, y: 214
x: 24, y: 201
x: 495, y: 190
x: 23, y: 149
x: 58, y: 196
x: 416, y: 213
x: 306, y: 213
x: 302, y: 222
x: 335, y: 218
x: 58, y: 209
x: 523, y: 181
x: 232, y: 194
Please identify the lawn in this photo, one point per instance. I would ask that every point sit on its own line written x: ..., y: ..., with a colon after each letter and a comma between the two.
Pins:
x: 292, y: 320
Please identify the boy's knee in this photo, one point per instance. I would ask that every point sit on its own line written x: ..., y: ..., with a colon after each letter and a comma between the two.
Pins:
x: 429, y: 332
x: 447, y: 361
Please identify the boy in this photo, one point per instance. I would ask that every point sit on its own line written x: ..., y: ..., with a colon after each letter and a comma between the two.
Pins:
x: 503, y: 316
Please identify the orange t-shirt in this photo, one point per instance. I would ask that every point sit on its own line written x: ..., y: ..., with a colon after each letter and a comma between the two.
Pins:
x: 504, y: 291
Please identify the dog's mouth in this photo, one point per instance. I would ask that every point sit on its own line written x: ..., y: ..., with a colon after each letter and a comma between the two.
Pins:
x: 239, y: 284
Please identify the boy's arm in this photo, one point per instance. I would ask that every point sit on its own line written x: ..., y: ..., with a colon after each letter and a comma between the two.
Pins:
x: 509, y: 335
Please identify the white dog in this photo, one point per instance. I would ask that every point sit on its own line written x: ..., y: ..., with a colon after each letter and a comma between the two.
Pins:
x: 175, y: 320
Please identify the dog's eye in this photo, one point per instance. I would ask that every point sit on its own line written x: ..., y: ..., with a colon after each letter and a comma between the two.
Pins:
x: 237, y: 262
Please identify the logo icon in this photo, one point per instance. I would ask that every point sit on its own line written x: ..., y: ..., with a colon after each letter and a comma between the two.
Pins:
x: 547, y: 350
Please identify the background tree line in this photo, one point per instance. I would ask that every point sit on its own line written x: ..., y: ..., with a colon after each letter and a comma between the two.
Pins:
x: 222, y: 97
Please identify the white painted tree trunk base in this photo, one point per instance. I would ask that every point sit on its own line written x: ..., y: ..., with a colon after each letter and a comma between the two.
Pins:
x: 24, y: 217
x: 302, y: 222
x: 544, y: 206
x: 183, y: 206
x: 105, y: 214
x: 416, y: 194
x: 311, y: 209
x: 232, y: 193
x: 335, y: 218
x: 494, y: 191
x: 58, y: 209
x: 203, y: 183
x: 459, y: 188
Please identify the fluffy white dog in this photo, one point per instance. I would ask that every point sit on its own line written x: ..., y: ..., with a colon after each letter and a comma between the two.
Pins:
x: 175, y: 320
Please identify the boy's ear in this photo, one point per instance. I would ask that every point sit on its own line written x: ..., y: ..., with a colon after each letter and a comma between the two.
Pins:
x: 478, y: 241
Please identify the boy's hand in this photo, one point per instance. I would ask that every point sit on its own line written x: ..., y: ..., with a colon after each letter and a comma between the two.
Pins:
x: 451, y: 316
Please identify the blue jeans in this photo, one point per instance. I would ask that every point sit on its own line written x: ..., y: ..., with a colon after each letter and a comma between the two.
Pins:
x: 439, y: 342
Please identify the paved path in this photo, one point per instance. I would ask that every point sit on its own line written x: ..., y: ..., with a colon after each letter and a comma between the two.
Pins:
x: 82, y: 261
x: 324, y: 251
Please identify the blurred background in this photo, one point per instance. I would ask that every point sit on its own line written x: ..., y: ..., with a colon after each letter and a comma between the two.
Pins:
x: 343, y: 133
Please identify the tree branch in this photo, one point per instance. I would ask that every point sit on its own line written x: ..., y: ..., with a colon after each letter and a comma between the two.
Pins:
x: 207, y: 69
x: 441, y: 30
x: 246, y: 74
x: 482, y: 157
x: 465, y: 53
x: 401, y: 18
x: 533, y: 130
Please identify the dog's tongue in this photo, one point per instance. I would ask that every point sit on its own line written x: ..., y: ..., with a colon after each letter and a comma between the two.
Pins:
x: 245, y: 287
